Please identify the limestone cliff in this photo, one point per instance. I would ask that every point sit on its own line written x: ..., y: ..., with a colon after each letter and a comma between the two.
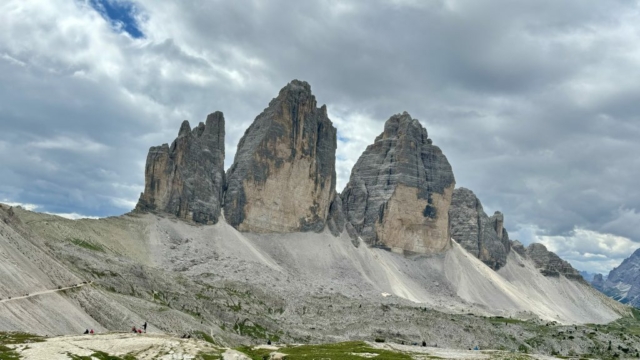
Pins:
x: 283, y: 176
x: 551, y: 264
x: 481, y: 235
x: 399, y: 192
x: 187, y: 178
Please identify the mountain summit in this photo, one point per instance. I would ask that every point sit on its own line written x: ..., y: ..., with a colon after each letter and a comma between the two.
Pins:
x: 283, y: 177
x: 186, y: 179
x: 400, y: 190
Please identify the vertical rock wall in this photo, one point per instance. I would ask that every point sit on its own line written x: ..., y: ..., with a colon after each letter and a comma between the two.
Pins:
x: 481, y: 235
x: 400, y: 190
x: 283, y: 176
x: 187, y: 178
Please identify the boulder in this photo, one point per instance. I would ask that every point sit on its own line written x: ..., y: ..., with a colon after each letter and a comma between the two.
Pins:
x: 399, y: 192
x: 481, y: 235
x: 187, y: 178
x: 283, y: 176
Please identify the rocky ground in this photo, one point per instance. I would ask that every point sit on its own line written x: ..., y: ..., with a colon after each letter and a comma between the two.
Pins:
x: 234, y: 289
x: 122, y: 346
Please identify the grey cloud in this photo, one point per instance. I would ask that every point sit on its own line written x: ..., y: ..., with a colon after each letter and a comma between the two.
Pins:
x: 535, y: 103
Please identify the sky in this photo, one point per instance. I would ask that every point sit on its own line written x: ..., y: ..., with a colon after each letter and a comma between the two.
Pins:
x: 535, y: 103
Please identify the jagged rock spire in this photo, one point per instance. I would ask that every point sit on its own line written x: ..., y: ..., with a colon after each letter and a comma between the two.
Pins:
x: 187, y: 179
x: 481, y: 235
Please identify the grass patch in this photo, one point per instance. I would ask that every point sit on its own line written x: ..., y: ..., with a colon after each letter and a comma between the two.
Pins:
x: 339, y: 351
x: 15, y: 338
x: 206, y: 337
x: 248, y: 328
x: 87, y: 245
x: 205, y: 356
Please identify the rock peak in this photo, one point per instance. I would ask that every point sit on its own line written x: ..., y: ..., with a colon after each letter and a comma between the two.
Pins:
x: 186, y: 179
x: 400, y: 189
x: 283, y: 175
x: 185, y: 128
x: 481, y: 235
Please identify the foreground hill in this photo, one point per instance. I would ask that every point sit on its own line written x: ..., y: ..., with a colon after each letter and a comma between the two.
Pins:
x: 297, y: 287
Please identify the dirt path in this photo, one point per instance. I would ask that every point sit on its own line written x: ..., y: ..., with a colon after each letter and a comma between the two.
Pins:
x: 44, y: 292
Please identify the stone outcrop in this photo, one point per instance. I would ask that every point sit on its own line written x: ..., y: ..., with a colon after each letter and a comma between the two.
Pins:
x: 519, y: 248
x: 283, y: 176
x: 481, y: 235
x: 187, y: 178
x: 551, y: 264
x: 399, y: 192
x: 598, y: 282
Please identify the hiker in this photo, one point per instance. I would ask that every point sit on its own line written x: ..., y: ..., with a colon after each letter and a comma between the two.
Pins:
x: 144, y: 326
x: 134, y: 330
x: 424, y: 343
x: 268, y: 341
x: 139, y: 331
x: 91, y: 332
x: 86, y: 331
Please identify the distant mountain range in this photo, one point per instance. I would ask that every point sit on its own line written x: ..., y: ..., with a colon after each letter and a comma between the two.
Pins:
x: 623, y: 282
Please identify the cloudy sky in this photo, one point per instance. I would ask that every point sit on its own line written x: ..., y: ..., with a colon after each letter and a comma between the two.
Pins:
x: 535, y: 103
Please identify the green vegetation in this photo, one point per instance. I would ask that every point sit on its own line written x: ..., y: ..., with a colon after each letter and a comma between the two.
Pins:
x: 206, y: 337
x: 15, y: 338
x: 248, y: 328
x: 204, y: 356
x: 339, y: 351
x: 87, y: 245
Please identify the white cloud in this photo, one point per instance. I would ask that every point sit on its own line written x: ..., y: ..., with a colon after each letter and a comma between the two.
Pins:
x: 536, y: 107
x: 585, y: 249
x: 30, y: 207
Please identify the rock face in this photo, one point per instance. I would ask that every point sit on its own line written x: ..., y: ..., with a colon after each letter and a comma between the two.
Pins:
x: 519, y: 248
x: 399, y: 192
x: 598, y: 282
x: 187, y: 178
x: 551, y: 264
x: 481, y: 235
x: 283, y: 176
x: 623, y: 282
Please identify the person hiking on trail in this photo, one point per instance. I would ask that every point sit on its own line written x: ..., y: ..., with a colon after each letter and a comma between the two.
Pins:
x: 91, y: 332
x: 86, y: 331
x: 134, y: 330
x: 139, y: 331
x: 144, y: 326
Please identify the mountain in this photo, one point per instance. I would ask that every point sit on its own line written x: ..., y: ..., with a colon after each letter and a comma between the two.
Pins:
x: 283, y: 177
x: 270, y: 250
x: 187, y: 178
x: 623, y: 282
x: 399, y: 192
x: 481, y: 235
x: 588, y: 276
